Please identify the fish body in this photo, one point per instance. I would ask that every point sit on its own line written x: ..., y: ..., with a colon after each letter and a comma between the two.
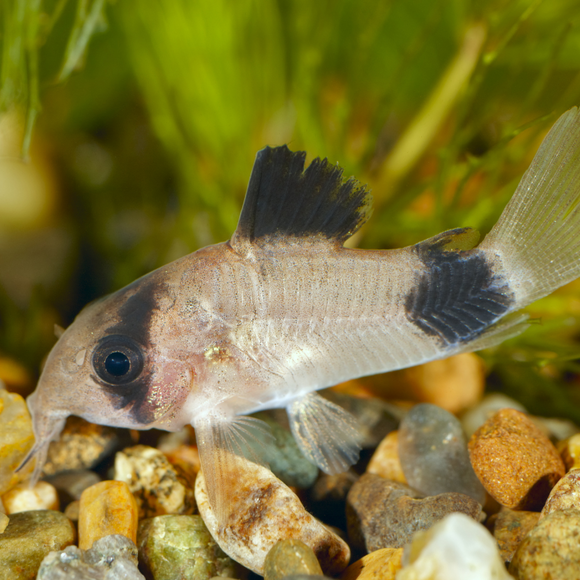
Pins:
x: 283, y: 309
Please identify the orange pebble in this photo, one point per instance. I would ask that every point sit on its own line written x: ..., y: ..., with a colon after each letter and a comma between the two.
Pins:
x: 385, y: 460
x: 106, y: 508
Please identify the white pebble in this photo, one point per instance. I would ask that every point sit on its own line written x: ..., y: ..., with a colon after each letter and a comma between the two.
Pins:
x: 23, y: 498
x: 456, y: 548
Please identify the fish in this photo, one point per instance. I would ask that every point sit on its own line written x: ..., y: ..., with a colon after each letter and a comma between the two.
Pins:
x: 284, y: 309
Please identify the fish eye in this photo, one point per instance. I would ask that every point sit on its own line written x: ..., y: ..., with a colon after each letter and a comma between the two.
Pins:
x: 118, y: 360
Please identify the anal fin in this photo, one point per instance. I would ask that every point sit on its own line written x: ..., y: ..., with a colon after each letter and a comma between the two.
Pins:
x: 227, y: 447
x: 327, y: 434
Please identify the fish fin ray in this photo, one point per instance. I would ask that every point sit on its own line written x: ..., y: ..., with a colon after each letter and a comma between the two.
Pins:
x: 327, y: 435
x: 285, y: 200
x: 508, y: 327
x: 537, y: 237
x: 227, y: 448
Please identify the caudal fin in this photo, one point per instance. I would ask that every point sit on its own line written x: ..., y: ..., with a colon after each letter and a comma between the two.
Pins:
x: 537, y: 238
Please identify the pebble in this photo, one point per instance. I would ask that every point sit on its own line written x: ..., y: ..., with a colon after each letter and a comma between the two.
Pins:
x: 23, y: 498
x: 564, y: 495
x: 381, y: 564
x: 510, y: 528
x: 81, y: 445
x: 181, y: 547
x: 285, y: 459
x: 71, y: 484
x: 454, y: 383
x: 72, y: 511
x: 433, y: 453
x: 551, y: 551
x: 570, y: 451
x: 106, y: 508
x: 4, y: 520
x: 158, y: 486
x: 333, y: 488
x: 375, y: 417
x: 515, y: 461
x: 263, y: 511
x: 456, y: 548
x: 385, y: 514
x: 385, y: 460
x: 476, y: 416
x: 16, y: 439
x: 111, y: 558
x: 186, y: 457
x: 29, y: 537
x: 290, y: 558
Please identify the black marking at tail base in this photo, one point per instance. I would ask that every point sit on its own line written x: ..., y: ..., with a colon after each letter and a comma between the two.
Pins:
x: 135, y: 314
x: 283, y: 199
x: 457, y: 296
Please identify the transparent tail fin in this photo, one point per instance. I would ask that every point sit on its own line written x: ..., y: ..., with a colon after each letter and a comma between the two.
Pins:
x: 538, y: 235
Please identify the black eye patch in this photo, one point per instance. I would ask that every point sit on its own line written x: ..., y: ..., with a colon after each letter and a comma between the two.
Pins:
x: 118, y: 360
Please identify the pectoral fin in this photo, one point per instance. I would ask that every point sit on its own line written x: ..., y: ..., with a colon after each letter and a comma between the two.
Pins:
x: 226, y: 447
x: 327, y: 434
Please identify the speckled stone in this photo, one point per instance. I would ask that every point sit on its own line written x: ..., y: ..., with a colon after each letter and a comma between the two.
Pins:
x: 515, y: 461
x: 551, y: 551
x: 285, y: 459
x: 81, y: 445
x: 477, y: 415
x: 111, y: 558
x: 378, y: 565
x: 433, y: 453
x: 510, y: 528
x: 288, y: 558
x: 565, y: 494
x: 181, y: 547
x: 456, y: 548
x: 158, y: 486
x: 385, y: 460
x: 23, y: 498
x: 29, y: 537
x: 16, y: 439
x: 106, y: 508
x: 263, y: 511
x: 385, y: 514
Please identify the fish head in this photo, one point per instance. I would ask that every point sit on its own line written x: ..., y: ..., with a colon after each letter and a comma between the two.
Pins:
x: 120, y: 363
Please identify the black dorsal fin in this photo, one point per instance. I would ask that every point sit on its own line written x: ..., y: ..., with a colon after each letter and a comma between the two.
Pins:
x: 284, y: 200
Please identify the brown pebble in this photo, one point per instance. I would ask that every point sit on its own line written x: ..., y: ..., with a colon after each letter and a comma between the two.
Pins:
x: 106, y: 508
x: 385, y: 460
x: 381, y: 564
x: 288, y: 558
x: 565, y: 494
x: 551, y: 551
x: 510, y: 529
x: 385, y: 514
x: 516, y: 463
x: 72, y: 511
x: 333, y: 487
